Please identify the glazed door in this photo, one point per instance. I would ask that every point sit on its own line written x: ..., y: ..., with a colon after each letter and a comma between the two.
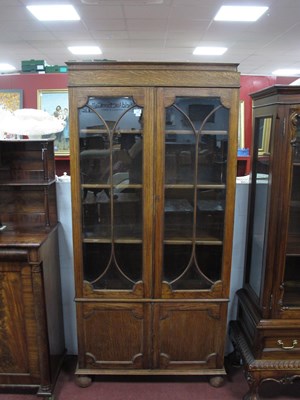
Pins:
x: 273, y: 254
x: 194, y: 194
x: 290, y: 285
x: 114, y: 182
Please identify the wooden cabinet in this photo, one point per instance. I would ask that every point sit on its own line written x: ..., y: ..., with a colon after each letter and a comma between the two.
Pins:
x: 267, y: 331
x: 153, y: 166
x: 31, y: 323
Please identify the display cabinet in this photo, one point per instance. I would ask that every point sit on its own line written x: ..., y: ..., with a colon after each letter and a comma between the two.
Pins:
x: 266, y: 333
x: 153, y: 166
x: 31, y: 322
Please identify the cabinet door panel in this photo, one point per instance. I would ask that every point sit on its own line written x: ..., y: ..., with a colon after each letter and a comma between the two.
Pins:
x: 115, y: 335
x: 184, y: 335
x: 18, y: 356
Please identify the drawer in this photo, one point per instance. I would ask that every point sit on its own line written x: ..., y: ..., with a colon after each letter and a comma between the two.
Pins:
x: 281, y: 346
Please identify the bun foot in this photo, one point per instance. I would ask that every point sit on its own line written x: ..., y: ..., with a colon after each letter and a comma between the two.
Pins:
x: 216, y: 381
x: 83, y: 381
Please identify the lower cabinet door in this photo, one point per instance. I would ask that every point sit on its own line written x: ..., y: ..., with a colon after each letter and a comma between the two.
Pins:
x: 114, y: 335
x: 151, y: 336
x: 190, y: 336
x: 19, y: 363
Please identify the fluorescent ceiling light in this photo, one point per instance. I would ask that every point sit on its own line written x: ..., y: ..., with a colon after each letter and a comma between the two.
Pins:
x: 295, y: 83
x: 286, y: 72
x: 209, y: 51
x: 240, y: 13
x: 85, y: 50
x: 55, y: 12
x: 6, y: 67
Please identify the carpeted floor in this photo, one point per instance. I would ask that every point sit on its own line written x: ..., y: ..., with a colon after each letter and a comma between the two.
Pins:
x: 158, y: 388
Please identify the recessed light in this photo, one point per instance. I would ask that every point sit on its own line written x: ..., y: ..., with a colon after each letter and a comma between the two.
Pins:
x: 6, y: 67
x: 240, y: 13
x: 85, y: 50
x: 209, y: 51
x: 286, y: 72
x: 54, y: 12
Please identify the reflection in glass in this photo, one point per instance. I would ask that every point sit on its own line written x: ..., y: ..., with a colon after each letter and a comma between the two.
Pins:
x: 264, y: 133
x: 110, y: 127
x: 260, y: 189
x: 196, y: 144
x: 111, y: 159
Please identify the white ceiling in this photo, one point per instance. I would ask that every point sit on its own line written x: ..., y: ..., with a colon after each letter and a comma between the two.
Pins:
x: 154, y: 30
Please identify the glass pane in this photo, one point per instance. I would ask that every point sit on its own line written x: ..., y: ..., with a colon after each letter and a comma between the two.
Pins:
x: 188, y: 270
x: 260, y: 192
x: 109, y: 266
x: 210, y: 213
x: 114, y: 218
x: 110, y: 140
x: 111, y: 165
x: 179, y: 214
x: 196, y: 143
x: 291, y: 283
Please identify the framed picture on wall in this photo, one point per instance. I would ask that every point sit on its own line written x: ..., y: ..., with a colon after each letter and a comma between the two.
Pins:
x: 11, y: 99
x: 56, y: 103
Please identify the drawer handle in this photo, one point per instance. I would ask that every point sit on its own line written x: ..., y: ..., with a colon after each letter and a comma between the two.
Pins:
x: 294, y: 344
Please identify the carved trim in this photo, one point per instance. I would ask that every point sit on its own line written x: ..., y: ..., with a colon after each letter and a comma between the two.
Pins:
x: 36, y: 269
x: 275, y: 364
x: 295, y: 118
x: 285, y: 380
x: 209, y: 362
x: 135, y: 362
x: 136, y: 292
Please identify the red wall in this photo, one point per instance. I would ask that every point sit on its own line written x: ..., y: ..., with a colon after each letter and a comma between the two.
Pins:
x: 251, y: 84
x: 30, y: 83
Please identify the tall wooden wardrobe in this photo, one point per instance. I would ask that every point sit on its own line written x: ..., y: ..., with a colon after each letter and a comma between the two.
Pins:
x: 153, y: 166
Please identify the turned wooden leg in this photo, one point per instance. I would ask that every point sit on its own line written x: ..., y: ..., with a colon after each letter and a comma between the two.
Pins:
x: 83, y: 381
